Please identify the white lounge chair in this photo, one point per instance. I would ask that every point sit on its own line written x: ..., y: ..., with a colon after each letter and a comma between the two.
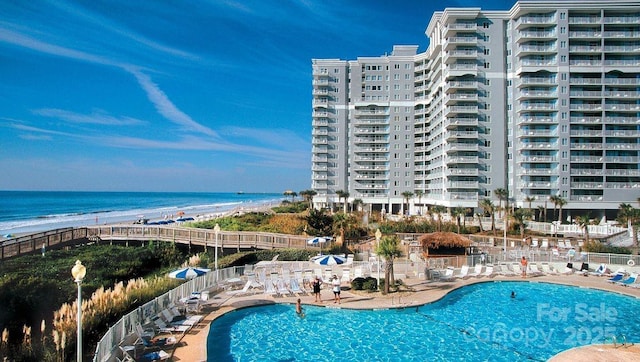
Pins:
x: 448, y: 274
x: 476, y: 271
x: 464, y: 272
x: 163, y: 327
x: 600, y: 271
x: 534, y: 243
x: 547, y: 270
x: 534, y: 271
x: 517, y: 269
x: 488, y: 272
x: 282, y: 288
x: 503, y: 269
x: 295, y: 288
x: 243, y: 291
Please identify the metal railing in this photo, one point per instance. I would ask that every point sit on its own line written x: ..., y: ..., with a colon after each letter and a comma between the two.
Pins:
x: 107, y: 347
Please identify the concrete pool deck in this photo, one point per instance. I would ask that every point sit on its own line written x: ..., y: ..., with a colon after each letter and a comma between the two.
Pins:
x: 193, y: 345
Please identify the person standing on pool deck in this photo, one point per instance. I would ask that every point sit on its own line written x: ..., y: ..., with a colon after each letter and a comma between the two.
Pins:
x: 336, y: 289
x: 524, y: 263
x: 316, y: 289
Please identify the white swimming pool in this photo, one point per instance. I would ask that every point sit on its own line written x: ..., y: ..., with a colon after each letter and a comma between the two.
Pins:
x: 472, y: 323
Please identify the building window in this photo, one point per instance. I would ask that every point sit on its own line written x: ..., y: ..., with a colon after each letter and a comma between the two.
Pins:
x: 487, y: 65
x: 486, y: 51
x: 485, y: 25
x: 564, y: 180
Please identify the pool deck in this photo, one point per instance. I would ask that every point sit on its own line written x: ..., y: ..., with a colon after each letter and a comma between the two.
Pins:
x: 193, y: 345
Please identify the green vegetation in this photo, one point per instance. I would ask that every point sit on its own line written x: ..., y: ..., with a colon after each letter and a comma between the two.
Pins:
x: 33, y: 287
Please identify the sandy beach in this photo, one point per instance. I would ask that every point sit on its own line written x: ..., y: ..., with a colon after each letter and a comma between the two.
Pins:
x: 193, y: 345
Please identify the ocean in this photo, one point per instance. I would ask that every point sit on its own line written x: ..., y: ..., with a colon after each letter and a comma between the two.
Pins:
x: 34, y: 211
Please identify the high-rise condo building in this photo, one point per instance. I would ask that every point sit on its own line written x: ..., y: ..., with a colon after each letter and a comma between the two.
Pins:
x: 541, y: 101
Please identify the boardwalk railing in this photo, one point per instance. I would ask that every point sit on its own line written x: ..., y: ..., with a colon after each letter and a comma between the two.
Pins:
x: 240, y: 240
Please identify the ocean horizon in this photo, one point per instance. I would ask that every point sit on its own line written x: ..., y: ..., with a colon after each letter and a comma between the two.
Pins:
x: 36, y: 211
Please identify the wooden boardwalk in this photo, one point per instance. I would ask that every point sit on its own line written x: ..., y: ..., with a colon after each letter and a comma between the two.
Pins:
x: 239, y: 240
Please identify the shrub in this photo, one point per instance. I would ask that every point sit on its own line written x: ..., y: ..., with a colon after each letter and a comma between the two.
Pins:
x: 370, y: 284
x: 356, y: 284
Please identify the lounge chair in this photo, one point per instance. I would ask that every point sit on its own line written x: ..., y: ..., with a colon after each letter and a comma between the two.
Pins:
x: 616, y: 278
x: 295, y: 288
x: 600, y: 271
x: 545, y: 244
x: 561, y: 244
x: 163, y: 327
x: 144, y: 333
x: 503, y: 269
x: 517, y: 269
x: 240, y: 292
x: 547, y: 270
x: 629, y: 281
x: 488, y: 271
x: 155, y: 356
x: 269, y: 287
x: 533, y: 270
x: 534, y: 243
x: 180, y: 320
x: 464, y: 272
x: 476, y: 271
x: 283, y: 288
x: 448, y: 275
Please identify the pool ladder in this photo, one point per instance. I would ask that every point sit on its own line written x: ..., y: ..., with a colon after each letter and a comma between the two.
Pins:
x: 614, y: 340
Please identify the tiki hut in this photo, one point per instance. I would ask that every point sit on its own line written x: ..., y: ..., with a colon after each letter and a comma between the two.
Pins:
x: 444, y: 243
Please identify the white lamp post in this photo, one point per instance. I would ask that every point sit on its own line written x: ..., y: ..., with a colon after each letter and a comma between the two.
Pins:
x: 378, y: 236
x: 216, y: 230
x: 78, y: 272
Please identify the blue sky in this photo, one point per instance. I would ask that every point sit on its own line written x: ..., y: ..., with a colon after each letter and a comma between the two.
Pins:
x: 178, y: 95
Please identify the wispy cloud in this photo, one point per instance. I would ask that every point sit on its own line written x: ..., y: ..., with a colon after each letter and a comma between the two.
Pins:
x: 100, y: 117
x: 165, y: 107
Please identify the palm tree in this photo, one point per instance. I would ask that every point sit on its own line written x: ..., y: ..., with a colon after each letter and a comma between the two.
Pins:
x: 439, y: 210
x: 488, y: 207
x: 388, y: 249
x: 630, y: 216
x: 342, y: 223
x: 419, y: 194
x: 529, y: 199
x: 480, y: 215
x: 555, y: 199
x: 561, y: 203
x: 543, y: 213
x: 343, y: 195
x: 502, y: 194
x: 407, y: 195
x: 293, y: 194
x: 520, y: 216
x: 356, y: 203
x: 308, y: 195
x: 583, y: 221
x: 457, y: 212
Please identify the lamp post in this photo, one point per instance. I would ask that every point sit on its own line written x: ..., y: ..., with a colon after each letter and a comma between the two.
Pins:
x: 216, y: 230
x: 378, y: 236
x: 78, y: 272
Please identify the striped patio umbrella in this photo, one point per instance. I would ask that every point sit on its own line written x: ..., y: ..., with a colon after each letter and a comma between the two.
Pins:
x: 188, y: 273
x: 330, y: 260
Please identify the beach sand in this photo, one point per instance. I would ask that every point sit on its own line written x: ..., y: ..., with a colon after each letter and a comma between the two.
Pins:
x: 193, y: 345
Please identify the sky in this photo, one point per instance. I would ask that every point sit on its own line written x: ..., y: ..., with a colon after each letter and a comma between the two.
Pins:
x: 202, y: 96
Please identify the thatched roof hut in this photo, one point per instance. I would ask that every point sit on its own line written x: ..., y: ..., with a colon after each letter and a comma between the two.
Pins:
x: 444, y: 243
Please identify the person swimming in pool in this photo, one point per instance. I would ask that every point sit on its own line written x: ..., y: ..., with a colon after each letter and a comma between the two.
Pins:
x: 513, y: 294
x: 299, y: 310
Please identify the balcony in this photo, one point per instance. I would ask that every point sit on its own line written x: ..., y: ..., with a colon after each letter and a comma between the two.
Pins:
x: 455, y: 97
x: 625, y: 173
x: 586, y: 172
x: 462, y: 134
x: 539, y: 171
x: 460, y: 109
x: 527, y: 20
x: 586, y: 133
x: 461, y: 121
x: 622, y: 159
x: 585, y: 34
x: 585, y: 120
x: 585, y: 48
x: 622, y: 81
x: 586, y: 159
x: 461, y: 147
x: 623, y: 107
x: 584, y: 19
x: 587, y: 185
x: 462, y: 172
x: 630, y: 19
x: 460, y: 84
x: 527, y: 35
x: 620, y: 120
x: 585, y: 81
x: 371, y: 113
x: 463, y: 159
x: 585, y: 107
x: 585, y: 94
x: 539, y: 159
x: 463, y: 184
x: 586, y: 146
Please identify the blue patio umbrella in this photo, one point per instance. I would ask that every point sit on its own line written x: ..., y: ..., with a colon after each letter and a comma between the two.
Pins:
x: 188, y: 273
x: 330, y: 260
x: 318, y: 240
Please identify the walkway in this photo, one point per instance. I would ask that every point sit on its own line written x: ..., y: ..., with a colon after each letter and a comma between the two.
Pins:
x: 193, y: 346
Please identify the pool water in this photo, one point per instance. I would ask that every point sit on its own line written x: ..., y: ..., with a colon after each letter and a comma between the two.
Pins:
x: 475, y: 323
